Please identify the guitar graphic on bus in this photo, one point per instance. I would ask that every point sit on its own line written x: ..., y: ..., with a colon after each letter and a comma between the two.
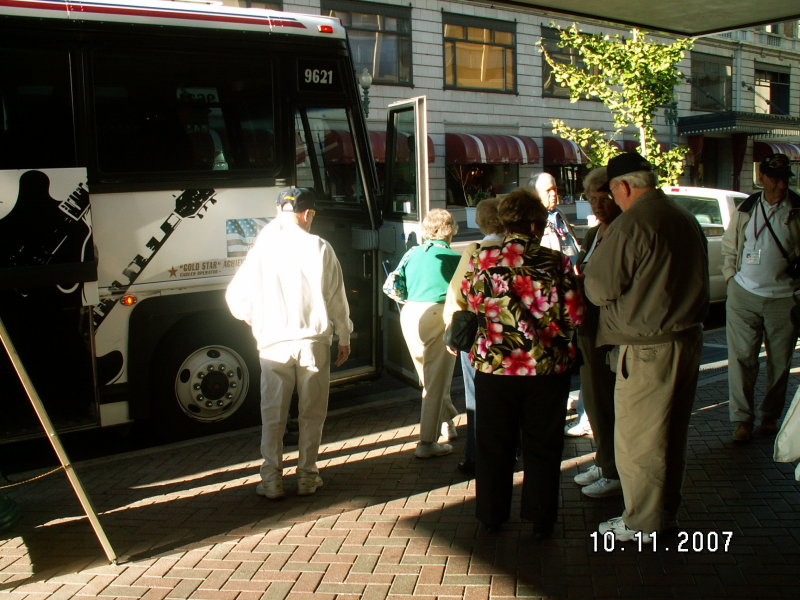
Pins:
x: 187, y: 206
x: 61, y: 234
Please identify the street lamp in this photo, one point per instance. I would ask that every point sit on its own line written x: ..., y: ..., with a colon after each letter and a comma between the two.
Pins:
x: 365, y: 81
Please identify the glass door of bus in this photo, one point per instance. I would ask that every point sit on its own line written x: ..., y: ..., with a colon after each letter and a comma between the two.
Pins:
x: 405, y: 204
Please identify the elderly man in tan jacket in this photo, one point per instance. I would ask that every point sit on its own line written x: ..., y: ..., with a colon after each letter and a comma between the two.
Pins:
x: 650, y: 278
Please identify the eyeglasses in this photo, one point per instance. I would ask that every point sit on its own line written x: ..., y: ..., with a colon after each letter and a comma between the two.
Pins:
x: 598, y: 199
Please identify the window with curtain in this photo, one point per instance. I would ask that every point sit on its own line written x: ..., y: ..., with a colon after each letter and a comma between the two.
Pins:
x: 380, y: 38
x: 479, y: 54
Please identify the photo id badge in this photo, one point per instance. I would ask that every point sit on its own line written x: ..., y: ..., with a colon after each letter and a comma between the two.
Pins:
x: 752, y: 257
x: 567, y: 250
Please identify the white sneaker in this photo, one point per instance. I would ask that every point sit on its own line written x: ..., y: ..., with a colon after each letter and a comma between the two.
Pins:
x: 622, y: 532
x: 593, y: 474
x: 578, y: 430
x: 272, y: 489
x: 431, y: 449
x: 308, y: 485
x: 449, y: 431
x: 603, y: 487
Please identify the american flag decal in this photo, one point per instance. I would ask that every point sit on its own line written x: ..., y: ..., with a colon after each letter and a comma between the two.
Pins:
x: 241, y: 234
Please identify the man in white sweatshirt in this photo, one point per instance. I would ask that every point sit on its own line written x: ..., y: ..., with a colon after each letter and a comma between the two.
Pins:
x: 291, y: 292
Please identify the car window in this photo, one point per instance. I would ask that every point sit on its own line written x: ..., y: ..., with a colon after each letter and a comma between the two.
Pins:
x: 705, y: 210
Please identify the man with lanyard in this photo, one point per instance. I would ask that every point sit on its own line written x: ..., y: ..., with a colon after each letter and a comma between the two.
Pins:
x: 762, y: 240
x: 558, y: 235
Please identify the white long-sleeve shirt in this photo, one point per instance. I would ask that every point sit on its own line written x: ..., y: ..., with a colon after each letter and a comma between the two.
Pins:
x: 290, y: 287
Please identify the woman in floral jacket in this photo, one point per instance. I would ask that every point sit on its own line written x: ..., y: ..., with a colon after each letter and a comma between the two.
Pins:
x: 528, y: 303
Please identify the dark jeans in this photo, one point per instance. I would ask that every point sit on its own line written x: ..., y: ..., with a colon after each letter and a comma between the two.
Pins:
x: 504, y: 404
x: 468, y: 373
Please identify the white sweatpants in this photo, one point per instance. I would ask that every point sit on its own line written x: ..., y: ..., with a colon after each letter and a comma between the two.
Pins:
x: 306, y: 364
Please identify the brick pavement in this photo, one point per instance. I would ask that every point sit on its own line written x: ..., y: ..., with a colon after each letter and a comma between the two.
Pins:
x: 186, y: 523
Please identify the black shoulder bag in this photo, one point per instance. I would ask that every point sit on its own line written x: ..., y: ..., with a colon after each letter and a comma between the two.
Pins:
x: 461, y: 332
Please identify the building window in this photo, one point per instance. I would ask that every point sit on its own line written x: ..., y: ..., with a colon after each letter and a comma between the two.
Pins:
x: 563, y: 56
x: 479, y: 54
x: 785, y: 28
x: 260, y: 4
x: 771, y: 91
x: 712, y: 82
x: 380, y: 38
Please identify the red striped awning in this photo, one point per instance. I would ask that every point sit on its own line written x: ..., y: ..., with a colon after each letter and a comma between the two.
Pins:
x: 490, y: 149
x: 558, y: 151
x: 339, y: 147
x: 763, y: 149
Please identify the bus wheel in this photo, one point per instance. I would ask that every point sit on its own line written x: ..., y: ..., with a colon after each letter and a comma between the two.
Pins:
x: 207, y: 384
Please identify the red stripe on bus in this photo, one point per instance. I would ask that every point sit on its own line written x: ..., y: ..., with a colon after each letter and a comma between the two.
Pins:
x: 160, y: 14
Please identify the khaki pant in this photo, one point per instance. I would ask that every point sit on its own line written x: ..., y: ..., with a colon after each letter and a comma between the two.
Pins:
x: 751, y: 318
x: 654, y: 393
x: 306, y: 364
x: 423, y: 330
x: 597, y: 390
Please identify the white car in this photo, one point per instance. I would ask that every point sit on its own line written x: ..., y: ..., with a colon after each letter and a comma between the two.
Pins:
x: 713, y: 209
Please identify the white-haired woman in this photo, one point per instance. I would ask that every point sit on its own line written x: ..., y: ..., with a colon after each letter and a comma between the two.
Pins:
x: 426, y: 270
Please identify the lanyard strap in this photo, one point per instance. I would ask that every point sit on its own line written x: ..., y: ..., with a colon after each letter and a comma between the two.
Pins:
x: 775, y: 237
x: 756, y: 230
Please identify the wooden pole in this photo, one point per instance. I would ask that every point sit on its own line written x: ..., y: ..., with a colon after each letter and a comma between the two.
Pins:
x: 47, y: 425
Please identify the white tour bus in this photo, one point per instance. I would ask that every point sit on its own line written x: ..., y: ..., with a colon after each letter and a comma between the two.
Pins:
x: 142, y: 146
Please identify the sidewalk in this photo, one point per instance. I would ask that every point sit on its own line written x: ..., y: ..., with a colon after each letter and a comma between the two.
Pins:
x: 185, y: 522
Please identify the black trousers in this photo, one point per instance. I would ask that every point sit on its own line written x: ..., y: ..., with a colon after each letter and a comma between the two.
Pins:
x: 506, y: 404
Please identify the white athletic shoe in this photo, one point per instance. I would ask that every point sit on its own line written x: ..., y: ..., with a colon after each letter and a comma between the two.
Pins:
x: 449, y: 431
x: 272, y: 489
x: 431, y: 449
x: 622, y: 532
x: 308, y: 485
x: 603, y: 488
x: 594, y: 473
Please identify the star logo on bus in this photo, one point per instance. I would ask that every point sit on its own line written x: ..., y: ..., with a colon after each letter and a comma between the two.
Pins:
x: 173, y: 272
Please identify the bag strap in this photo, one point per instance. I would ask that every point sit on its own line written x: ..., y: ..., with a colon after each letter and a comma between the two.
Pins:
x: 775, y: 237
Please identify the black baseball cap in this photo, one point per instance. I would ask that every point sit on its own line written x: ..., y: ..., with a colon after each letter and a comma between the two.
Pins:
x: 300, y: 198
x: 622, y: 164
x: 776, y: 165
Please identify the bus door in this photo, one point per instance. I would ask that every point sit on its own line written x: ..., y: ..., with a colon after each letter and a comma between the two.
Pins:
x: 405, y: 204
x: 332, y: 157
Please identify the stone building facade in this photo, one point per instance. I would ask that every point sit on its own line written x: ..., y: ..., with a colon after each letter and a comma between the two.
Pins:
x: 491, y: 102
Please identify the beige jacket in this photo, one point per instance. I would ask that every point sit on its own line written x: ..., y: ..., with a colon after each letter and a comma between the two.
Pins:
x: 733, y: 240
x: 650, y: 274
x: 454, y: 300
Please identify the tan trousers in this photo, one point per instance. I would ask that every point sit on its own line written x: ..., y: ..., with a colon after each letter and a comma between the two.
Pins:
x: 597, y: 389
x: 423, y: 330
x: 751, y: 318
x: 653, y: 399
x: 306, y: 364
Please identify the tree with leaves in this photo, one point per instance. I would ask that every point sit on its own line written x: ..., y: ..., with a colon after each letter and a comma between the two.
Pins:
x: 633, y: 78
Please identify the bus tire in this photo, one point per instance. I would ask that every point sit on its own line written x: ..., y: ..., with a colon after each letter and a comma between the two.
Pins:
x: 205, y: 381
